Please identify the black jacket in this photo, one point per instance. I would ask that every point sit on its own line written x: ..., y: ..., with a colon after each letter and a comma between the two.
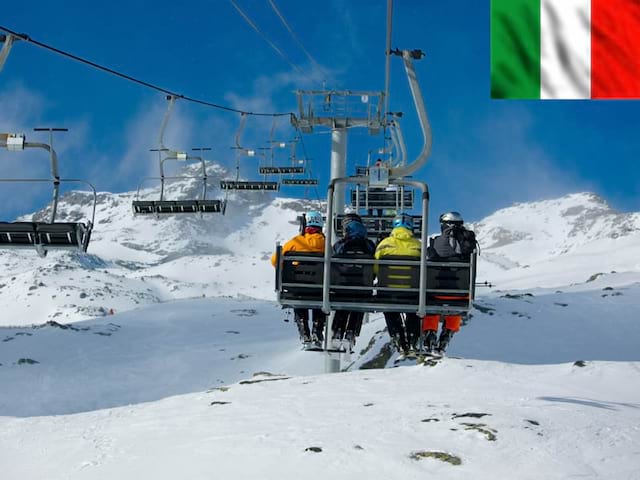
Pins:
x: 453, y: 244
x: 354, y: 246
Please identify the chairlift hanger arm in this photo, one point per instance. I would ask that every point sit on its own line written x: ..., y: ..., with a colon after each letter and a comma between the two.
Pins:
x: 165, y: 121
x: 398, y: 141
x: 418, y: 100
x: 243, y: 121
x: 7, y: 42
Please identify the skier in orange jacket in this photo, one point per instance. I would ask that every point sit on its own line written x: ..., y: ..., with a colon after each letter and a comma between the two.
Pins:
x: 311, y: 241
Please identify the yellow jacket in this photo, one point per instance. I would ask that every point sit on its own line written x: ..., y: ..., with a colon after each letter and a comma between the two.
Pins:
x: 307, y: 243
x: 400, y: 242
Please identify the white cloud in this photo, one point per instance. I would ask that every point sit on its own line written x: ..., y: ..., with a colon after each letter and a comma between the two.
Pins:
x: 498, y: 163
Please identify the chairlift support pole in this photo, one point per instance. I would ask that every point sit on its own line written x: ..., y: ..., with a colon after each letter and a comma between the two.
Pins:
x: 338, y: 167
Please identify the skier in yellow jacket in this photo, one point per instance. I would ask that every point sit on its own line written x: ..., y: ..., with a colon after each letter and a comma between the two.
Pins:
x: 311, y: 241
x: 401, y: 242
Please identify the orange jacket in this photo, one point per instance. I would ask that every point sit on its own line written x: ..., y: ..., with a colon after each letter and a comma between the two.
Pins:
x: 308, y: 242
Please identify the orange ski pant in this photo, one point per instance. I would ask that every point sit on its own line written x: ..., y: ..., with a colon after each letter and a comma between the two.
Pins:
x: 451, y: 322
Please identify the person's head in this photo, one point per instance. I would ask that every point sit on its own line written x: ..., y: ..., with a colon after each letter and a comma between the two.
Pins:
x: 403, y: 220
x: 450, y: 220
x: 314, y: 220
x: 355, y: 229
x: 349, y: 218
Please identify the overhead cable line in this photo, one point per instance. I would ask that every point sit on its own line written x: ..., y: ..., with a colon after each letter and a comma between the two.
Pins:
x: 152, y: 86
x: 266, y: 39
x: 294, y: 36
x: 307, y: 161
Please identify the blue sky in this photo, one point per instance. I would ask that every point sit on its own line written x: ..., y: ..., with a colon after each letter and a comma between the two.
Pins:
x: 487, y: 154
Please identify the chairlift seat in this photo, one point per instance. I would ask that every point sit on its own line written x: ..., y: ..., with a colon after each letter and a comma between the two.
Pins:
x: 212, y: 206
x: 167, y: 207
x: 302, y: 280
x: 299, y: 181
x: 17, y: 234
x: 63, y: 235
x: 143, y: 207
x: 280, y: 170
x: 351, y: 275
x: 238, y: 185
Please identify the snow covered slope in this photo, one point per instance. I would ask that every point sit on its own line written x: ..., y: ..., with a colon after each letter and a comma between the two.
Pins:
x: 557, y: 242
x: 457, y: 420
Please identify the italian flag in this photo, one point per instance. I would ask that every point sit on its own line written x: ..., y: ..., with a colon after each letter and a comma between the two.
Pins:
x: 553, y: 49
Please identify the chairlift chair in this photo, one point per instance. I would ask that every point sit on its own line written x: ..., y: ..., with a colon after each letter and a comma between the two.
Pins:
x: 243, y: 185
x: 51, y: 235
x: 299, y: 181
x: 163, y: 207
x: 403, y: 284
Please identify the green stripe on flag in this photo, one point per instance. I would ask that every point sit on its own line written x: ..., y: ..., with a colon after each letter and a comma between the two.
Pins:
x: 515, y: 48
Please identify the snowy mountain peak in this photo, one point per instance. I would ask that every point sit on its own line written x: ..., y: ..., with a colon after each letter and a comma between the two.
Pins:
x: 547, y: 233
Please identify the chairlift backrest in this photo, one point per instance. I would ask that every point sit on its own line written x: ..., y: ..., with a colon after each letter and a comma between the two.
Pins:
x: 250, y: 186
x: 299, y: 181
x: 378, y: 227
x: 375, y: 197
x: 281, y: 170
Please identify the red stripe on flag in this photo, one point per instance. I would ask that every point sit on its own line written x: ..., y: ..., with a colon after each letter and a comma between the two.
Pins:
x: 615, y: 49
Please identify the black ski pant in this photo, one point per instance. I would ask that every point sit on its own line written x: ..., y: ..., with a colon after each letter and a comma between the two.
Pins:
x: 406, y: 331
x: 301, y: 317
x: 347, y: 321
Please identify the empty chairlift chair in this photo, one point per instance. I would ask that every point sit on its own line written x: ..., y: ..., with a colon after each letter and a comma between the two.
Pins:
x: 176, y: 207
x: 42, y: 235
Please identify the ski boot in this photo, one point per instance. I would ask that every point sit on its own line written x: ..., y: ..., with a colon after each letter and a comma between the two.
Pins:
x: 443, y: 342
x: 350, y: 340
x: 410, y: 347
x: 430, y: 338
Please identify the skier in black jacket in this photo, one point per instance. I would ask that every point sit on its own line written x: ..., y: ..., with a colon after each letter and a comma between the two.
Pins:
x: 455, y: 243
x: 347, y: 324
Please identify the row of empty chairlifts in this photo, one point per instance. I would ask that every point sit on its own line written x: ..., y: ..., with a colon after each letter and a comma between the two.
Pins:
x: 51, y: 234
x: 286, y: 174
x: 402, y: 284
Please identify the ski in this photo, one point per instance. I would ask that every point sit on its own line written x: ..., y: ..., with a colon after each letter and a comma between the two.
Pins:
x: 430, y: 359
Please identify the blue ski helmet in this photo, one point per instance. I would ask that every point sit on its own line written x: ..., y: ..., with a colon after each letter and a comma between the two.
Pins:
x: 403, y: 220
x: 350, y: 217
x: 314, y: 219
x: 355, y: 229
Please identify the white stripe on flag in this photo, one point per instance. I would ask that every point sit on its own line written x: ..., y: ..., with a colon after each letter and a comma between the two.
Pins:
x: 565, y: 49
